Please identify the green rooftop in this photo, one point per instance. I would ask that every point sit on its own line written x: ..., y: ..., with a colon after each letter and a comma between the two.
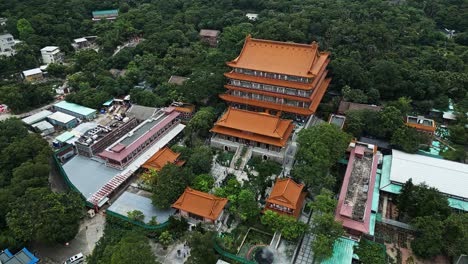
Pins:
x: 75, y: 108
x: 343, y: 251
x: 106, y: 12
x: 64, y: 137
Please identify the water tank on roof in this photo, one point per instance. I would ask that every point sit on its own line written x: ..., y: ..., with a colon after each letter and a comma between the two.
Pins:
x: 95, y: 136
x: 89, y: 140
x: 125, y: 120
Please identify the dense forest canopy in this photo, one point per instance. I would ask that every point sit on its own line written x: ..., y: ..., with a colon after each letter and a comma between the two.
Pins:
x: 386, y: 49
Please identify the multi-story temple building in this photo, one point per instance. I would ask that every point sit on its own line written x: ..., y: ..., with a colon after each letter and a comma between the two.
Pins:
x: 268, y: 135
x: 277, y: 76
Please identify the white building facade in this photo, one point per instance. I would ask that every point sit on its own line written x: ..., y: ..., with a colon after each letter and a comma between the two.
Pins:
x: 51, y: 54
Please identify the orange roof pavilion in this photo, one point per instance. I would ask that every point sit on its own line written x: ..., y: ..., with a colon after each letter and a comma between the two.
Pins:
x: 161, y: 158
x: 286, y: 193
x: 255, y: 126
x: 199, y: 203
x: 280, y: 76
x: 288, y: 58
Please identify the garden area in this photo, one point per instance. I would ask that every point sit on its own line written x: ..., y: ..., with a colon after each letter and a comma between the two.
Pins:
x: 224, y: 158
x: 254, y: 237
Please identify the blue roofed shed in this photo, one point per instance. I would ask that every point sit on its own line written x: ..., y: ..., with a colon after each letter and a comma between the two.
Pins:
x: 23, y: 256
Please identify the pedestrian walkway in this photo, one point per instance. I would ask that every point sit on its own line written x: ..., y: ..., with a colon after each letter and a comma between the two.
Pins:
x: 305, y: 255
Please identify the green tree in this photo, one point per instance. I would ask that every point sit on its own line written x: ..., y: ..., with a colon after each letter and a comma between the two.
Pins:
x: 320, y: 147
x: 46, y: 216
x: 201, y: 159
x: 136, y: 215
x: 430, y: 241
x: 354, y: 95
x: 370, y: 252
x: 203, y: 182
x: 322, y: 247
x: 200, y: 124
x: 324, y: 202
x: 247, y: 206
x: 455, y: 235
x: 169, y: 185
x: 289, y: 227
x: 408, y: 139
x: 391, y: 119
x: 153, y: 221
x: 165, y: 239
x: 201, y: 248
x: 24, y: 28
x: 403, y: 104
x: 422, y: 200
x: 326, y: 231
x: 132, y: 248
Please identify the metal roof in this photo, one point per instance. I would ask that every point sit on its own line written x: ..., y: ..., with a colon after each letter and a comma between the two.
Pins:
x: 387, y: 186
x: 448, y: 177
x: 44, y: 125
x: 32, y: 72
x: 37, y: 117
x: 76, y: 108
x: 64, y: 137
x: 343, y: 250
x: 49, y: 48
x: 61, y: 117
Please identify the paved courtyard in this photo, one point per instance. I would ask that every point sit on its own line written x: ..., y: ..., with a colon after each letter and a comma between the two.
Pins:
x: 130, y: 201
x: 177, y: 253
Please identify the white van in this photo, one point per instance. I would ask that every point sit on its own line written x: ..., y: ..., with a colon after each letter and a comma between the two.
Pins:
x: 78, y: 258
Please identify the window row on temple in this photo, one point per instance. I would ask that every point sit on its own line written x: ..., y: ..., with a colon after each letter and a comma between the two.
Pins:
x: 271, y: 99
x: 270, y: 75
x: 270, y: 88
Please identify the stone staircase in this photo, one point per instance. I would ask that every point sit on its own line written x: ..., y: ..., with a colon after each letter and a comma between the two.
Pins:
x: 246, y: 157
x: 236, y: 157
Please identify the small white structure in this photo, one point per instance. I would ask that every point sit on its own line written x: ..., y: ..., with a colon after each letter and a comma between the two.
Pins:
x: 84, y: 43
x: 37, y: 117
x: 7, y: 43
x: 51, y: 54
x: 251, y: 17
x: 44, y: 127
x: 33, y: 74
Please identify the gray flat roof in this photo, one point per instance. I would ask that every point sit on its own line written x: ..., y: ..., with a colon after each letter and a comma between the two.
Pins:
x: 128, y: 202
x: 39, y: 116
x: 88, y: 175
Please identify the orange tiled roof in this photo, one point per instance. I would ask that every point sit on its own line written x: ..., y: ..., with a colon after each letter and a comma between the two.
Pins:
x: 258, y: 138
x: 295, y: 59
x: 422, y: 127
x: 161, y: 158
x: 185, y: 109
x: 254, y: 122
x: 286, y: 192
x: 200, y: 203
x: 317, y: 95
